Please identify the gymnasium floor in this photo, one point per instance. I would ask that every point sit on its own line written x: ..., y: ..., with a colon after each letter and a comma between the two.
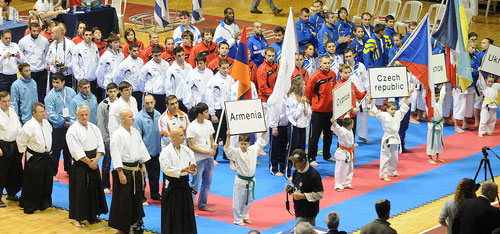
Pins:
x: 417, y: 195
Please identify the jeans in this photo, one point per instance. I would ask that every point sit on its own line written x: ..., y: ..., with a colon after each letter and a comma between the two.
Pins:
x: 205, y: 169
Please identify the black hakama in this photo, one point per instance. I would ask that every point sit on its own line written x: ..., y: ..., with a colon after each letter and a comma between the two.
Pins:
x: 11, y: 169
x: 126, y: 205
x: 37, y: 182
x: 86, y: 194
x: 177, y: 210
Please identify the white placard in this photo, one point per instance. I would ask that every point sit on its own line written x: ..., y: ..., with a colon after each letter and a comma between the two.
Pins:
x: 491, y: 60
x: 439, y: 68
x: 342, y: 99
x: 387, y: 82
x: 245, y: 116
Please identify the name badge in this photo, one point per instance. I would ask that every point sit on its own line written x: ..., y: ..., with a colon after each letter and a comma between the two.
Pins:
x: 65, y: 112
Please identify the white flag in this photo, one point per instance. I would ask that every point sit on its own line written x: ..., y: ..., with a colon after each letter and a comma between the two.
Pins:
x: 286, y: 69
x: 161, y: 13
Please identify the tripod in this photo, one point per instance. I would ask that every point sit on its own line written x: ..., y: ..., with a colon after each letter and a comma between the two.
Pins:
x: 487, y: 166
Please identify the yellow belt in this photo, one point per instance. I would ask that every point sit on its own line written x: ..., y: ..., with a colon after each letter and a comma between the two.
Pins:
x: 133, y: 170
x: 489, y: 101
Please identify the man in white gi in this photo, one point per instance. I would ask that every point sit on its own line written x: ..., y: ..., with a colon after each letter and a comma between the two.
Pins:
x: 85, y: 60
x: 11, y: 171
x: 218, y: 88
x: 153, y: 76
x: 108, y: 63
x: 128, y: 70
x: 59, y: 55
x: 10, y: 56
x: 228, y: 31
x: 129, y: 155
x: 126, y: 101
x: 176, y: 76
x: 35, y: 138
x: 34, y: 49
x: 177, y: 210
x: 86, y: 195
x: 186, y: 25
x: 172, y: 118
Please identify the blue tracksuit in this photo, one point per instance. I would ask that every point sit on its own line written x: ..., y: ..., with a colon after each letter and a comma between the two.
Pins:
x: 374, y: 53
x: 317, y: 21
x: 257, y: 46
x: 368, y: 32
x: 326, y: 33
x: 277, y: 47
x: 79, y: 100
x: 436, y: 46
x: 304, y: 34
x: 389, y: 32
x: 393, y: 51
x: 23, y: 93
x: 149, y: 129
x: 343, y: 29
x: 357, y: 47
x: 55, y: 101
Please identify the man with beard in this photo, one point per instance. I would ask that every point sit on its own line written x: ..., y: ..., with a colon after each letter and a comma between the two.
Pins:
x: 228, y: 31
x: 34, y: 49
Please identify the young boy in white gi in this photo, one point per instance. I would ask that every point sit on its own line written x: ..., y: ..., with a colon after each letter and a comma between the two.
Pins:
x: 245, y: 158
x: 435, y: 128
x: 489, y: 108
x: 344, y: 155
x: 391, y: 120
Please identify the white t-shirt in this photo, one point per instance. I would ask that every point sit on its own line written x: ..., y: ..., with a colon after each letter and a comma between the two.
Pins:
x: 201, y: 133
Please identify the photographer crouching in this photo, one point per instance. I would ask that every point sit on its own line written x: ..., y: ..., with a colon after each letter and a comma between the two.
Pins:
x: 306, y: 189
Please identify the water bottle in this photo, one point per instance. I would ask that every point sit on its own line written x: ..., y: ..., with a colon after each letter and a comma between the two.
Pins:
x: 15, y: 15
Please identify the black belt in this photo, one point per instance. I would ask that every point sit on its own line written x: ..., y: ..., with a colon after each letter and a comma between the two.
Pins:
x: 132, y: 164
x: 7, y: 142
x: 38, y: 155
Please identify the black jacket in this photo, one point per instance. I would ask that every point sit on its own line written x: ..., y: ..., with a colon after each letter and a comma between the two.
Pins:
x: 476, y: 216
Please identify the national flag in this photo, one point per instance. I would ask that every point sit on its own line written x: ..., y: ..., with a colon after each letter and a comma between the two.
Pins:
x: 452, y: 32
x: 161, y: 13
x: 416, y: 55
x: 241, y: 71
x: 197, y: 10
x: 286, y: 69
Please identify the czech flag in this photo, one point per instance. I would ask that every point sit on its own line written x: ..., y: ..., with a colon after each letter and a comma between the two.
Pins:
x: 416, y: 55
x: 241, y: 71
x: 453, y: 32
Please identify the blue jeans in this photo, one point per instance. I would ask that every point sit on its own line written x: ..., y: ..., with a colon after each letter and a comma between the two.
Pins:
x: 205, y: 169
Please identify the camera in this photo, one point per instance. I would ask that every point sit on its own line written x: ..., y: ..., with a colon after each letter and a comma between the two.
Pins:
x: 290, y: 188
x: 59, y: 66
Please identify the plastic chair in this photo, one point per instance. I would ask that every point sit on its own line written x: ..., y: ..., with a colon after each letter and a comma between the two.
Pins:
x: 117, y: 4
x: 332, y: 5
x: 415, y: 8
x: 370, y: 6
x: 392, y: 9
x: 436, y: 12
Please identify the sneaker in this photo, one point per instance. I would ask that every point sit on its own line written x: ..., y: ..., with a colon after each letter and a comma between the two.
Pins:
x: 277, y: 11
x: 255, y: 11
x: 13, y: 198
x: 314, y: 164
